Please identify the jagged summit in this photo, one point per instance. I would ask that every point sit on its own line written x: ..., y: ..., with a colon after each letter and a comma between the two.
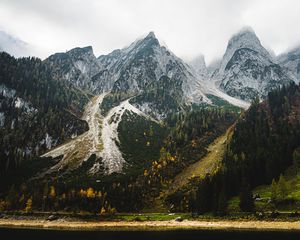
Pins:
x: 248, y: 69
x: 245, y: 38
x: 199, y: 66
x: 149, y: 41
x: 151, y: 35
x: 245, y: 32
x: 81, y: 49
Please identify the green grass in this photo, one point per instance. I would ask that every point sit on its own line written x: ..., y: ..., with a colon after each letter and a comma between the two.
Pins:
x: 219, y: 102
x: 233, y: 204
x: 293, y: 182
x: 151, y: 216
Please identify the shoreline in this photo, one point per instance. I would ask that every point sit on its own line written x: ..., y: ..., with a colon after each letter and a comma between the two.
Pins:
x: 67, y: 225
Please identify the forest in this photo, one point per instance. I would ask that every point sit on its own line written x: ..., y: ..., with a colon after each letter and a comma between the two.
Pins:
x: 264, y: 144
x: 39, y: 110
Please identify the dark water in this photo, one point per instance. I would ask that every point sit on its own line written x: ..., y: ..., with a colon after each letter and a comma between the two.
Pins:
x: 33, y: 234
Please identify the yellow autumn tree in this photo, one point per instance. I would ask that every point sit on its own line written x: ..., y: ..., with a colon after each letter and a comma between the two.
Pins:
x: 52, y: 192
x: 90, y: 193
x: 102, y: 211
x: 28, y: 207
x: 82, y: 193
x: 99, y: 194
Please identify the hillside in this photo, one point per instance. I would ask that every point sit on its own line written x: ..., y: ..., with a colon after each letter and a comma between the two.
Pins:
x: 209, y: 164
x: 37, y: 111
x: 262, y: 147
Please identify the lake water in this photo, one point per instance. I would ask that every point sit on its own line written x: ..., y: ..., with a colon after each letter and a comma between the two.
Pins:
x: 34, y: 234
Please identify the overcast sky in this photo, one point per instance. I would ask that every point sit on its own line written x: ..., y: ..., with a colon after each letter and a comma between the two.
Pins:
x: 188, y: 27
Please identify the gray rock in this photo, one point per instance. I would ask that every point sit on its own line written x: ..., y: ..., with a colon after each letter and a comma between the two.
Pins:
x: 179, y: 219
x: 52, y: 218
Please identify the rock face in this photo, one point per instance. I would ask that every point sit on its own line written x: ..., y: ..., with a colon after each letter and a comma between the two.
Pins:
x: 291, y: 60
x: 199, y: 66
x: 78, y: 66
x: 128, y: 70
x: 248, y: 70
x: 145, y: 61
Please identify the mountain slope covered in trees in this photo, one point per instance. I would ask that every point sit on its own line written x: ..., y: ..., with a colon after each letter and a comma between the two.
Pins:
x: 37, y: 111
x: 262, y: 147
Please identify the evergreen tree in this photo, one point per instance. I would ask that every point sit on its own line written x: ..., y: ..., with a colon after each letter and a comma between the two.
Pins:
x: 246, y: 199
x: 222, y: 202
x: 282, y: 188
x: 274, y: 191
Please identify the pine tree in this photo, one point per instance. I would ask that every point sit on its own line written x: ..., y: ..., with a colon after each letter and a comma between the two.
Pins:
x: 246, y: 199
x: 282, y: 188
x: 296, y: 158
x: 274, y: 191
x: 222, y: 203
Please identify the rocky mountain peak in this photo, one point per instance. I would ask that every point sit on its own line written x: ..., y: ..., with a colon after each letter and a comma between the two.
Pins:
x: 248, y: 69
x: 151, y: 35
x: 199, y: 66
x: 80, y: 52
x: 245, y: 38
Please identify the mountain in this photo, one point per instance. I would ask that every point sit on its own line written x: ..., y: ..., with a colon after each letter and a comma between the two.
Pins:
x: 291, y: 60
x: 248, y: 70
x: 145, y: 62
x: 157, y: 80
x: 199, y: 65
x: 213, y: 67
x: 145, y: 82
x: 78, y: 66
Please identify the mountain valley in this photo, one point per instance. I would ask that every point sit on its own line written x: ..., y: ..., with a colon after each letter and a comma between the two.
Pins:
x: 140, y: 129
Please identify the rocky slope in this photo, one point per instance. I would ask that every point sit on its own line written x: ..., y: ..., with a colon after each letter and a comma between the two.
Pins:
x: 248, y: 70
x: 78, y: 66
x: 291, y: 60
x: 199, y: 66
x: 130, y: 69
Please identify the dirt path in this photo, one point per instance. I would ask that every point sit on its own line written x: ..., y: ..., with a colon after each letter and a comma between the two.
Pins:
x: 208, y: 164
x: 151, y: 225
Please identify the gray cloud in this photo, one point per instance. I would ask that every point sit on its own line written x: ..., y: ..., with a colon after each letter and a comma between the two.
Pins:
x: 188, y: 27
